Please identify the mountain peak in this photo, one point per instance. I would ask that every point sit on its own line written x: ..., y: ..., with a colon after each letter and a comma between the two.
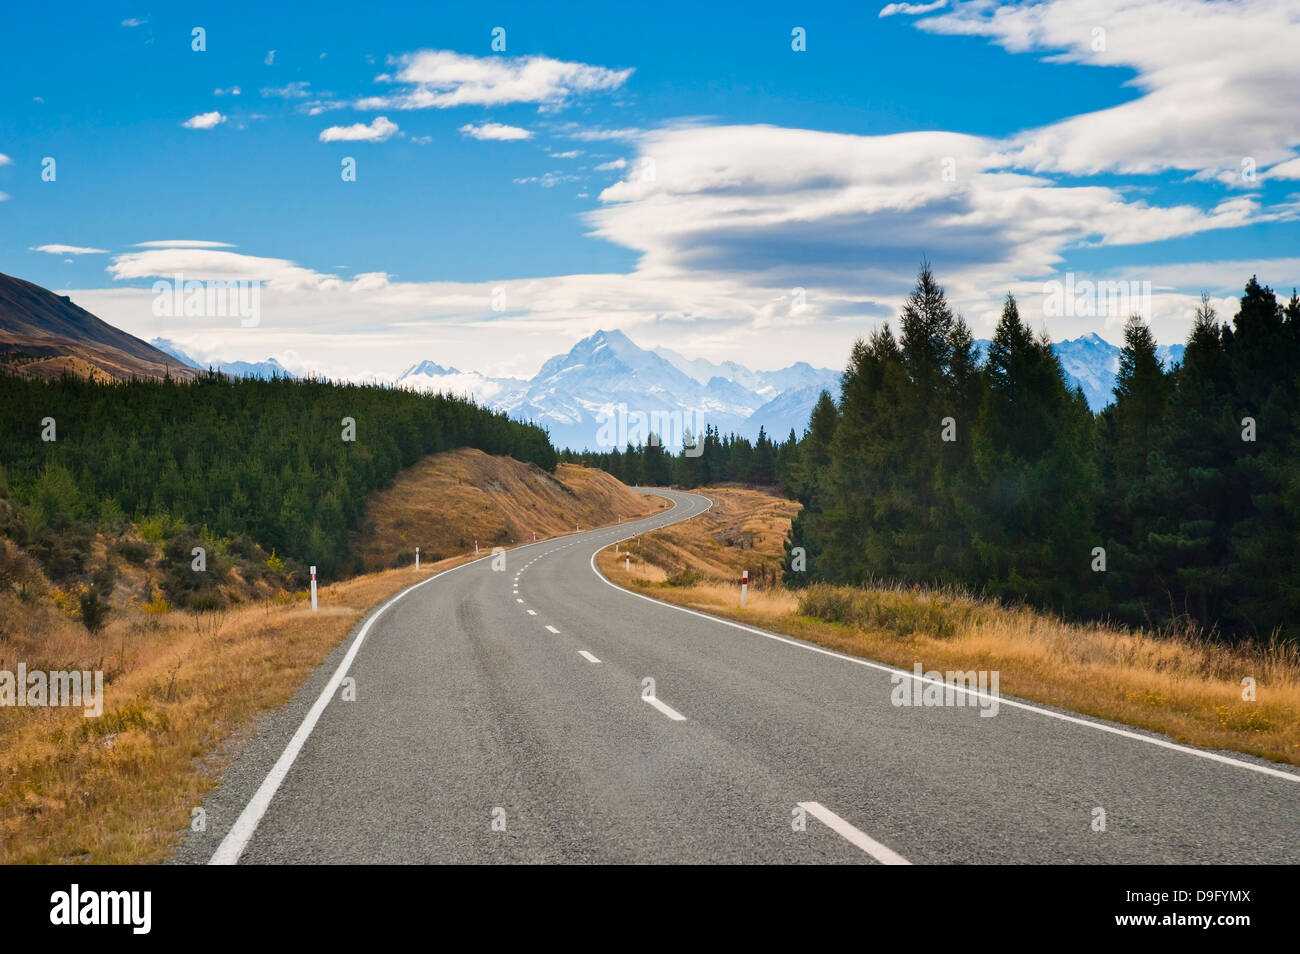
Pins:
x: 426, y: 367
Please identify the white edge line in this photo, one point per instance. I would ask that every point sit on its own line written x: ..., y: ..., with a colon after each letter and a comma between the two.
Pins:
x: 1002, y: 700
x: 233, y: 844
x: 666, y: 709
x: 856, y: 837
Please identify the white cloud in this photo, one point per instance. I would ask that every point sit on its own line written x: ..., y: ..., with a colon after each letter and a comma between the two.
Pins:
x: 135, y: 21
x: 441, y: 79
x: 912, y: 9
x: 318, y: 106
x: 496, y: 131
x: 4, y: 160
x: 548, y: 180
x: 231, y: 91
x: 612, y: 165
x: 570, y: 154
x: 1284, y: 170
x: 1214, y: 80
x: 595, y: 134
x: 296, y: 90
x: 849, y: 217
x: 204, y: 121
x: 378, y: 130
x: 270, y: 58
x: 69, y: 250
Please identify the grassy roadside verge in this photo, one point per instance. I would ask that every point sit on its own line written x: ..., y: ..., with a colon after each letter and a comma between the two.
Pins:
x: 119, y: 789
x: 1188, y: 689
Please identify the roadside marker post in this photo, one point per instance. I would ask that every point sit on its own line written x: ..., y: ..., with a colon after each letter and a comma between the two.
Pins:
x: 313, y: 589
x: 417, y: 558
x: 476, y: 548
x: 744, y: 585
x: 627, y: 566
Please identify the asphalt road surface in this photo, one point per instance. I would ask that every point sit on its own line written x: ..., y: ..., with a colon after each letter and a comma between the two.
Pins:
x: 502, y: 715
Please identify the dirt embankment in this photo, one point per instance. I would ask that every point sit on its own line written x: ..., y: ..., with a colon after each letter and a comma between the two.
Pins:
x: 447, y: 501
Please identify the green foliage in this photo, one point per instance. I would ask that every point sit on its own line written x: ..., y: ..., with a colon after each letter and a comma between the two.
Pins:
x: 1201, y: 528
x: 94, y: 611
x: 899, y: 612
x: 262, y: 459
x: 704, y: 459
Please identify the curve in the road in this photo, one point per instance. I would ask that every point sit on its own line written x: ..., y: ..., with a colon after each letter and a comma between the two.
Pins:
x: 518, y: 717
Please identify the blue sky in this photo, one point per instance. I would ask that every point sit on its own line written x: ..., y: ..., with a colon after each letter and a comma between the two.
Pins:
x: 1112, y: 155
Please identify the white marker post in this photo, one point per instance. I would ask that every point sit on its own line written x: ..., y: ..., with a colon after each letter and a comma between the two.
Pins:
x: 313, y: 589
x: 627, y: 567
x: 417, y: 558
x: 476, y: 548
x: 744, y: 586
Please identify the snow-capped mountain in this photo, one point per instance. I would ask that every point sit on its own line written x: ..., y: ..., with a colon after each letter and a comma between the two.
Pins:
x: 429, y: 376
x: 1091, y: 363
x: 270, y: 368
x: 607, y: 391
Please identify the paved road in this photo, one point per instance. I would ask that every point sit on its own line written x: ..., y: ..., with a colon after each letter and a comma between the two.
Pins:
x: 501, y: 716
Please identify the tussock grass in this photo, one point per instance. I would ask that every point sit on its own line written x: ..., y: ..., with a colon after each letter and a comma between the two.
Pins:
x: 1179, y: 683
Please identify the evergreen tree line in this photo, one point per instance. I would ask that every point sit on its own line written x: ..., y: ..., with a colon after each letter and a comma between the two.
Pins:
x: 1179, y: 503
x: 269, y: 460
x: 711, y: 459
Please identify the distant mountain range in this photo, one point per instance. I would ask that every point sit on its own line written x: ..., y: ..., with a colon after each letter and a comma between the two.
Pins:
x: 606, y: 390
x: 573, y: 393
x: 270, y: 368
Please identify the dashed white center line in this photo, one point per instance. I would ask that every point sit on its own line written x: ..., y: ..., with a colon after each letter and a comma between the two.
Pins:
x: 886, y: 856
x: 532, y: 612
x: 517, y: 600
x: 552, y: 629
x: 587, y: 656
x: 667, y: 710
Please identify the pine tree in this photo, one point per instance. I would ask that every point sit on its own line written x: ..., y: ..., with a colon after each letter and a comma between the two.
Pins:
x: 1191, y: 481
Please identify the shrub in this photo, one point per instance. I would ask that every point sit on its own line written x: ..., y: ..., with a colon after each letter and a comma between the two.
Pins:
x: 135, y: 552
x: 93, y: 609
x: 685, y: 577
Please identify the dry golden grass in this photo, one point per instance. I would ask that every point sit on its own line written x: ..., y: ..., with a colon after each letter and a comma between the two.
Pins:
x: 447, y: 501
x: 743, y: 530
x: 1187, y: 688
x: 181, y: 690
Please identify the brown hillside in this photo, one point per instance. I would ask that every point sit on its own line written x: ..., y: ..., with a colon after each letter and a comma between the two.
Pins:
x: 45, y: 335
x: 447, y: 501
